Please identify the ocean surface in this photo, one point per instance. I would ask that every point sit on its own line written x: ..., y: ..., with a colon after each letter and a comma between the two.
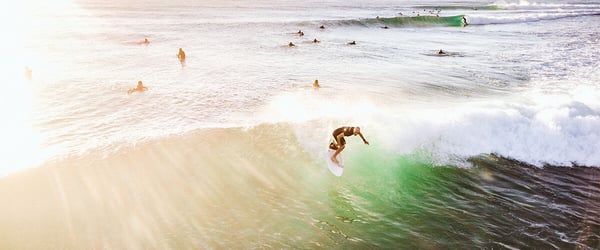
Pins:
x: 493, y: 145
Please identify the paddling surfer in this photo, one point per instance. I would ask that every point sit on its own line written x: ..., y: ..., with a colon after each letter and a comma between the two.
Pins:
x: 340, y: 142
x: 140, y: 87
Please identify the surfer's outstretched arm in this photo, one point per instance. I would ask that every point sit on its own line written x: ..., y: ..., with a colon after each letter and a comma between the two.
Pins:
x: 363, y: 138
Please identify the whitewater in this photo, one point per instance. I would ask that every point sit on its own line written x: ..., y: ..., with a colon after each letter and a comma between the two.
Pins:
x: 494, y: 144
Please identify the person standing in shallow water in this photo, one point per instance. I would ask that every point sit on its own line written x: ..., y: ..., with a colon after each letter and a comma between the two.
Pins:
x: 316, y: 84
x: 340, y: 142
x: 181, y: 55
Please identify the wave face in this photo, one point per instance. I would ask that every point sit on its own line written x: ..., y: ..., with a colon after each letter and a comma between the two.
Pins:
x: 254, y: 187
x: 425, y: 20
x: 404, y: 21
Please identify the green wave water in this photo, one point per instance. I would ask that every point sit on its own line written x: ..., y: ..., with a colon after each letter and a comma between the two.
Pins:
x: 424, y: 20
x: 421, y: 21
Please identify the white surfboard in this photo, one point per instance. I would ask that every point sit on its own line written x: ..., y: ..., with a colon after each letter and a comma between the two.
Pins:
x: 336, y: 169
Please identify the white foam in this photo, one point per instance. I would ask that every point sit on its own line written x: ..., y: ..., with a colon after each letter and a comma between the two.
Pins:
x: 557, y: 130
x: 537, y: 128
x: 523, y: 4
x: 524, y: 11
x: 478, y: 19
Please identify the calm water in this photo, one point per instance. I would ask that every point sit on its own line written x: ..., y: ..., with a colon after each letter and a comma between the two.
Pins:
x: 491, y: 146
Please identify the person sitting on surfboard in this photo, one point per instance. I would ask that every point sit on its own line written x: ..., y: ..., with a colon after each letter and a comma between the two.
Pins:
x: 340, y: 142
x: 140, y: 87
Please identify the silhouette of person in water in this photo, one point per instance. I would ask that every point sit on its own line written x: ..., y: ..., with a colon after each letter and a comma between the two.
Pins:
x: 441, y: 52
x: 352, y: 43
x: 464, y: 21
x: 146, y: 41
x: 316, y: 41
x: 140, y: 87
x: 316, y: 84
x: 340, y: 142
x: 291, y: 44
x: 322, y: 27
x: 181, y: 55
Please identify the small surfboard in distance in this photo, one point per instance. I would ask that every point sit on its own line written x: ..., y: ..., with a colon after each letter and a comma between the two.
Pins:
x: 336, y: 169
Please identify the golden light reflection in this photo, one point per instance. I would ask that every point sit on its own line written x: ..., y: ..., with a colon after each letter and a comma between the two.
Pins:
x: 23, y: 67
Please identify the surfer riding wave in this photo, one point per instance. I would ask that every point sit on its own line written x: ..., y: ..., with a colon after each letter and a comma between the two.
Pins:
x: 340, y: 143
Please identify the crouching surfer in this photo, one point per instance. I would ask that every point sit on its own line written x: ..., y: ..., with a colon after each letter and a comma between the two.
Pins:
x: 340, y: 142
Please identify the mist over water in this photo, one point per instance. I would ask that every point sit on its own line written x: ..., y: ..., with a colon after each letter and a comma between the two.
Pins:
x: 492, y: 145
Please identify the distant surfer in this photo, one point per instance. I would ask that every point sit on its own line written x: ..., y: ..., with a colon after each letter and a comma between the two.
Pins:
x: 181, y: 55
x: 340, y: 142
x: 291, y: 44
x: 316, y: 41
x: 316, y: 84
x: 464, y: 21
x: 352, y: 43
x: 441, y: 53
x: 322, y: 27
x: 140, y: 87
x: 146, y: 41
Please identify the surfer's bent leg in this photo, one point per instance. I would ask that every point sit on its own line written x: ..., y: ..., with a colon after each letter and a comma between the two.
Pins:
x: 338, y: 151
x: 341, y: 145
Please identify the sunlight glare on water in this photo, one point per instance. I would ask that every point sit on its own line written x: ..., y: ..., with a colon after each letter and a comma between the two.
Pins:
x: 25, y: 65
